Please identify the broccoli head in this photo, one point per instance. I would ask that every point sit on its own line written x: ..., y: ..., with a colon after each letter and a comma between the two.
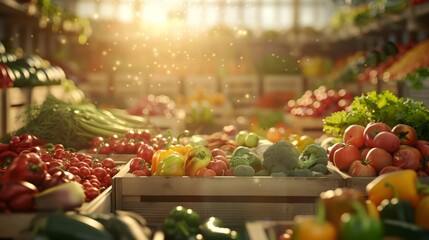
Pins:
x: 301, y: 172
x: 244, y: 170
x: 320, y: 168
x: 312, y: 155
x: 278, y: 174
x: 237, y: 161
x: 263, y: 172
x: 281, y: 156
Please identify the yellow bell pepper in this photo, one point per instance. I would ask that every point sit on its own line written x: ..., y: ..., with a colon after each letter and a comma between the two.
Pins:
x: 405, y: 182
x: 159, y: 155
x: 183, y: 150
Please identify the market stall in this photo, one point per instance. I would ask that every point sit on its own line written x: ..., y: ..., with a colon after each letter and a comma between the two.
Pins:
x: 189, y: 120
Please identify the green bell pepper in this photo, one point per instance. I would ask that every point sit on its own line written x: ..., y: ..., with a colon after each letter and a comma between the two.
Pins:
x: 212, y: 229
x: 181, y: 223
x: 172, y: 165
x: 198, y: 157
x: 395, y: 208
x: 404, y: 230
x: 360, y: 225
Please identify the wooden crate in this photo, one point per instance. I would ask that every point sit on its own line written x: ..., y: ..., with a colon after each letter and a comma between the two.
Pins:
x: 38, y: 94
x: 16, y: 101
x: 305, y: 125
x: 283, y: 83
x: 96, y: 84
x: 241, y: 90
x: 13, y: 224
x: 233, y: 199
x: 169, y: 85
x: 421, y: 94
x: 207, y: 83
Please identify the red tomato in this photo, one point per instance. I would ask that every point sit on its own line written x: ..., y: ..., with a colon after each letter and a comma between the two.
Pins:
x: 100, y: 173
x: 378, y: 158
x: 333, y: 148
x: 205, y: 172
x: 364, y: 152
x: 407, y: 134
x: 97, y: 141
x: 218, y: 166
x: 371, y: 130
x: 91, y: 193
x: 389, y: 169
x: 108, y: 163
x: 388, y: 141
x: 119, y: 147
x: 130, y: 147
x: 354, y: 135
x: 423, y: 147
x: 344, y: 156
x: 407, y: 158
x: 146, y: 152
x: 361, y: 169
x: 136, y: 163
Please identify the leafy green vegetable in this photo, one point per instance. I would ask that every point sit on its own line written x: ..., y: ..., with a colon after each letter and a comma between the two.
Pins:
x: 416, y: 78
x: 74, y: 125
x: 380, y: 107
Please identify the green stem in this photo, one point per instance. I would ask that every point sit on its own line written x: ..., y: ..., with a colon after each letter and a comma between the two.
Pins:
x: 360, y: 210
x: 321, y: 212
x: 393, y: 188
x: 183, y: 134
x: 422, y: 188
x: 170, y: 139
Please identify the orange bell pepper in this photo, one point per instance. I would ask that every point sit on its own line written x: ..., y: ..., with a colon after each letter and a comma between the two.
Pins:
x: 422, y: 212
x: 405, y: 182
x: 314, y: 228
x: 159, y: 155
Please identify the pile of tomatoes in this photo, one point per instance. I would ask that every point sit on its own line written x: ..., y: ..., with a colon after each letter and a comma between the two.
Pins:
x: 127, y: 145
x: 95, y: 175
x: 377, y: 148
x: 53, y: 165
x: 319, y: 103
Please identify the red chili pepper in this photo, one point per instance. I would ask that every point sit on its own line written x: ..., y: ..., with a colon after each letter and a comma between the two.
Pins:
x: 17, y: 196
x: 27, y: 166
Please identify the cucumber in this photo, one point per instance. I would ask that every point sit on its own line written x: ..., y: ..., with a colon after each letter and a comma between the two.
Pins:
x: 74, y: 227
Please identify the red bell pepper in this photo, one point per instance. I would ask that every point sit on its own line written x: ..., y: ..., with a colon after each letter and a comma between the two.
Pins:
x: 27, y: 166
x: 24, y: 142
x: 17, y: 196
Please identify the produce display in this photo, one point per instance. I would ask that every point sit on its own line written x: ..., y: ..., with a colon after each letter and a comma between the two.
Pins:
x: 152, y: 105
x: 28, y: 71
x: 375, y: 149
x: 319, y: 103
x: 110, y: 226
x: 184, y: 223
x: 42, y: 177
x: 396, y: 208
x: 75, y: 124
x: 383, y: 107
x: 249, y: 155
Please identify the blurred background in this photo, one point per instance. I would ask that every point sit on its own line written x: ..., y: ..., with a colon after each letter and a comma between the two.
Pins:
x: 214, y: 61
